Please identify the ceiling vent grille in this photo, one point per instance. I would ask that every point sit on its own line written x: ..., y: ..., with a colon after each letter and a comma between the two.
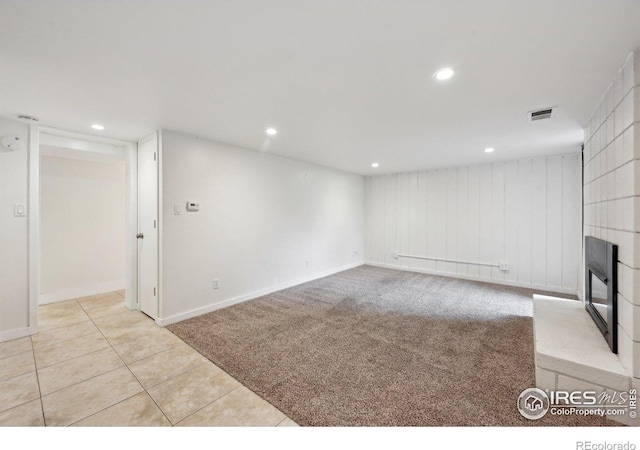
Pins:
x: 540, y: 114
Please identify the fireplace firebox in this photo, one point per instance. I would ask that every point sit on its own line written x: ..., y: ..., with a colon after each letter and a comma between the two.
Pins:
x: 601, y: 287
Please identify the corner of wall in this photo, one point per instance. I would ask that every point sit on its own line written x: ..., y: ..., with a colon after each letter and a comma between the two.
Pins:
x: 17, y: 314
x: 264, y: 222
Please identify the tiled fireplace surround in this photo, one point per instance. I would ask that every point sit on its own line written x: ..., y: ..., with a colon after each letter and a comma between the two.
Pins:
x: 570, y: 351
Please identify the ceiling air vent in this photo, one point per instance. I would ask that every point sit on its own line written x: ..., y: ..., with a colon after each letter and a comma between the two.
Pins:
x: 540, y: 114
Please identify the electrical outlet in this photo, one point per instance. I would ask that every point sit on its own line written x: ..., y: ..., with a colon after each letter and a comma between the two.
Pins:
x: 306, y: 264
x: 215, y: 284
x: 504, y: 266
x: 355, y: 252
x: 395, y: 255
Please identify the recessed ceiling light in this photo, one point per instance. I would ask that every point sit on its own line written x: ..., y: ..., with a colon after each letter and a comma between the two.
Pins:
x: 489, y: 150
x: 374, y: 165
x: 97, y: 126
x: 443, y: 74
x: 271, y: 131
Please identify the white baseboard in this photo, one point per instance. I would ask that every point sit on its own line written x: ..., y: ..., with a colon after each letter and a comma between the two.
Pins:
x: 16, y: 334
x: 483, y: 280
x: 82, y: 291
x: 250, y: 296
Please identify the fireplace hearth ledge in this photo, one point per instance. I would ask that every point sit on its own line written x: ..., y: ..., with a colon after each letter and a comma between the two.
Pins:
x: 570, y: 353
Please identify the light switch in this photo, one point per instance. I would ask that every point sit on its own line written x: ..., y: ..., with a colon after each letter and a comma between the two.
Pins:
x: 177, y: 209
x: 19, y: 209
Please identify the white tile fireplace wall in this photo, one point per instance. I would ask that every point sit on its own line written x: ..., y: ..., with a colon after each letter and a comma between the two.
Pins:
x: 612, y: 196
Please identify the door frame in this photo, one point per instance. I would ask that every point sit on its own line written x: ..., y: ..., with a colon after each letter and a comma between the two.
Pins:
x: 38, y: 134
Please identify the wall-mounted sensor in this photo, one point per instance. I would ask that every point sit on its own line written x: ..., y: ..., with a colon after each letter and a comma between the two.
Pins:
x: 193, y: 206
x: 11, y: 143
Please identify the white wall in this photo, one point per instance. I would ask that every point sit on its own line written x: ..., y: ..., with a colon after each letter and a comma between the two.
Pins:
x: 261, y: 218
x: 82, y: 227
x: 14, y: 292
x: 612, y: 196
x: 525, y: 212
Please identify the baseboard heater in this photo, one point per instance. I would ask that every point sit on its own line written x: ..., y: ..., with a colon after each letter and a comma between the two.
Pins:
x: 501, y: 266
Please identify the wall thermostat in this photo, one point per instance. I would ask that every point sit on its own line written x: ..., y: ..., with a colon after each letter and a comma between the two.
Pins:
x: 193, y: 206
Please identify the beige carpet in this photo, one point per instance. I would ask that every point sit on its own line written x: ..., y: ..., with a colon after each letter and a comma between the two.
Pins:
x: 372, y: 346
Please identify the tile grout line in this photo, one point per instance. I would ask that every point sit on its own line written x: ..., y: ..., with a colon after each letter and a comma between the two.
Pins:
x: 173, y: 376
x: 156, y: 403
x: 179, y: 374
x: 615, y: 136
x: 62, y: 326
x: 124, y: 365
x: 37, y: 371
x: 66, y: 340
x: 144, y: 389
x: 240, y: 385
x: 82, y: 381
x: 283, y: 420
x: 75, y: 300
x: 156, y: 353
x: 219, y: 398
x: 149, y: 355
x: 19, y: 353
x: 35, y: 367
x: 20, y: 374
x: 75, y: 357
x: 90, y: 319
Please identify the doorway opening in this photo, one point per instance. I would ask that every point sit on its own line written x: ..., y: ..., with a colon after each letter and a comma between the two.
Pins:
x: 86, y: 246
x: 82, y: 223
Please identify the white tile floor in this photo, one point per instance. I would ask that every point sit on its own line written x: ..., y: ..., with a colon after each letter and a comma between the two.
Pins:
x: 95, y: 363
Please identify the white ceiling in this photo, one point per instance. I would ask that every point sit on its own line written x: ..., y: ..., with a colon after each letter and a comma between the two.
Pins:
x: 346, y: 82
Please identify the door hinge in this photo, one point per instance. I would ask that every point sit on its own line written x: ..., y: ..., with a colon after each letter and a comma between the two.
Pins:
x: 154, y: 224
x: 154, y: 156
x: 154, y: 292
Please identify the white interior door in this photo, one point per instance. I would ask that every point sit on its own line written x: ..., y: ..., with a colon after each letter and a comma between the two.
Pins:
x: 148, y: 226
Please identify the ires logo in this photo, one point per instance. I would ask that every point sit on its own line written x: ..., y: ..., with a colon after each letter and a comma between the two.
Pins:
x: 587, y: 398
x: 534, y: 403
x: 633, y: 399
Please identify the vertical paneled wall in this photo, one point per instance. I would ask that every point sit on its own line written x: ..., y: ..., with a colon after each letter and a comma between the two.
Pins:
x: 526, y: 213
